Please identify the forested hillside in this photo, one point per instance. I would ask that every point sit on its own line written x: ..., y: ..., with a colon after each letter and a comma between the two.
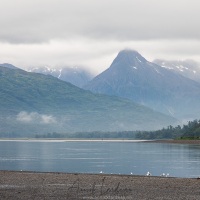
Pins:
x: 189, y: 131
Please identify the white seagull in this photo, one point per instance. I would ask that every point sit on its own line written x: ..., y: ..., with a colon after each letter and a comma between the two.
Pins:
x: 148, y: 174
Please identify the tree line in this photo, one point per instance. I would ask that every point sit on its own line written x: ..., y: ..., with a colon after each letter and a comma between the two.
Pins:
x: 188, y: 131
x: 91, y: 135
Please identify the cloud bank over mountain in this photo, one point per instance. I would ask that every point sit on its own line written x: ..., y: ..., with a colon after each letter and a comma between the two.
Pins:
x: 45, y: 20
x: 75, y: 31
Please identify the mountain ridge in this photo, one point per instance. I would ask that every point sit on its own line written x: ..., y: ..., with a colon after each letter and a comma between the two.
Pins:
x: 74, y: 75
x: 7, y: 65
x: 187, y: 68
x: 32, y: 103
x: 132, y: 76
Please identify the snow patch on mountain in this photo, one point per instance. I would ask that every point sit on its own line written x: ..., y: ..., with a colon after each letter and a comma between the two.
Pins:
x: 138, y: 59
x: 188, y: 68
x: 157, y: 71
x: 134, y: 67
x: 75, y: 75
x: 60, y: 73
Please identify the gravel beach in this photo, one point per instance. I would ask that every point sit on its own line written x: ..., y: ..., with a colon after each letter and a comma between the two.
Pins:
x: 34, y: 185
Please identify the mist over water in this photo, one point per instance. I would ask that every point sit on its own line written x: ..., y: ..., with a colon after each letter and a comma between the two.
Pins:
x: 94, y: 157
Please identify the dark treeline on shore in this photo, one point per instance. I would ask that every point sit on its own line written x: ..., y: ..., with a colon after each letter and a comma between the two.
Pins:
x: 189, y: 131
x: 96, y: 134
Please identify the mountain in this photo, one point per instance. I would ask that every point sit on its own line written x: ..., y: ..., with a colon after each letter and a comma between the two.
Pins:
x: 74, y: 75
x: 131, y: 76
x: 33, y: 103
x: 188, y: 68
x: 7, y: 65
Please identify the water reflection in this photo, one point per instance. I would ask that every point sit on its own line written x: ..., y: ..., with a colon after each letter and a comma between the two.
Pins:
x: 109, y: 157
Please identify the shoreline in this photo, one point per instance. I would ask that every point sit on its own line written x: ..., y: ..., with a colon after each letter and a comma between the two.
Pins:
x: 71, y: 140
x: 172, y: 141
x: 54, y: 185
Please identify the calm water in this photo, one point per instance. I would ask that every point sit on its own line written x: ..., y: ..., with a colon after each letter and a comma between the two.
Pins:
x: 93, y: 157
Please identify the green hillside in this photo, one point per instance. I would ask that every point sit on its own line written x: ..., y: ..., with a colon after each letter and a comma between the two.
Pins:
x: 32, y: 103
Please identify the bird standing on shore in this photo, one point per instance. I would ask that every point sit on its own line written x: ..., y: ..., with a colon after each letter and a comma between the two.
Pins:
x: 148, y: 174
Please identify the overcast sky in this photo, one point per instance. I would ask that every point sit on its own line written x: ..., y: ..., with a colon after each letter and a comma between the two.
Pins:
x: 91, y: 32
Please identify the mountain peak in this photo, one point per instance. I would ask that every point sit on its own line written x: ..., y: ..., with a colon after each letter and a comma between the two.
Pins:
x: 131, y: 76
x: 129, y: 57
x: 129, y: 52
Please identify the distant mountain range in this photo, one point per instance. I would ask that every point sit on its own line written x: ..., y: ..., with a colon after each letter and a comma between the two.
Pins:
x: 131, y: 76
x: 188, y: 68
x: 130, y: 95
x: 33, y: 103
x: 75, y: 75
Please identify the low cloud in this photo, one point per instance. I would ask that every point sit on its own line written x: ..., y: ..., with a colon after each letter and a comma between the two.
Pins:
x: 34, y: 117
x: 81, y: 52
